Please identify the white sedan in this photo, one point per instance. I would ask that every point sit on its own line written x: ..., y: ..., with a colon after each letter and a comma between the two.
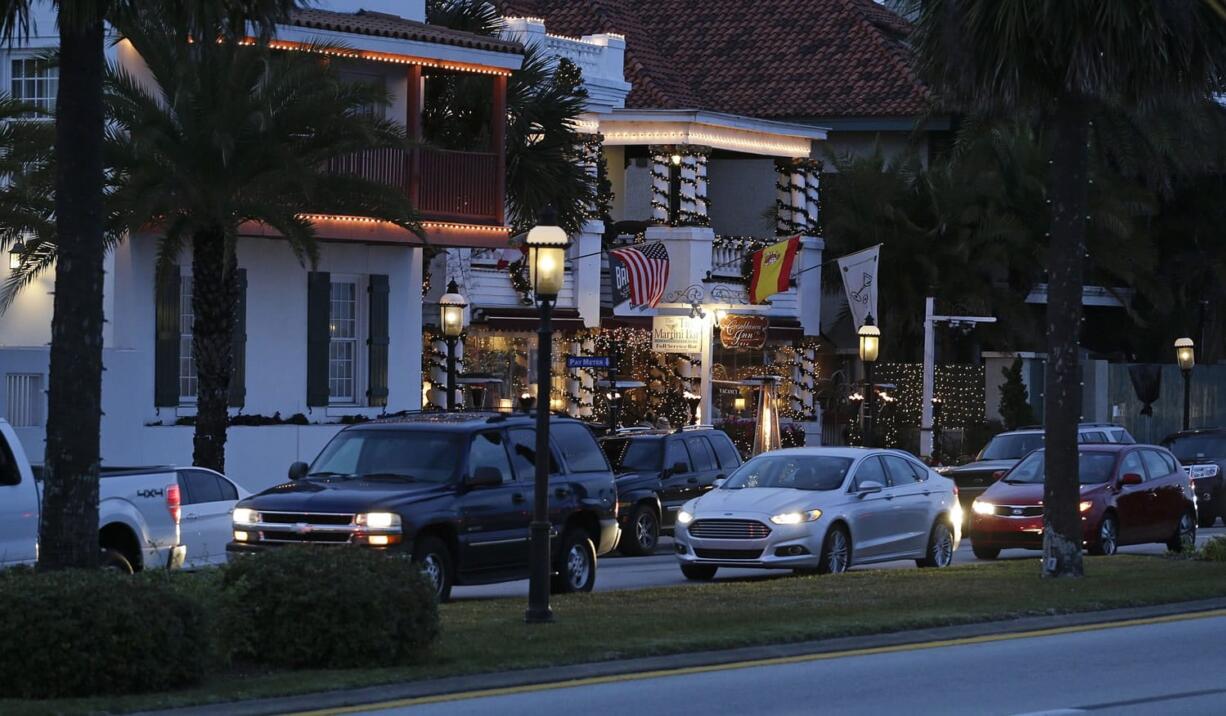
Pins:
x: 821, y: 510
x: 205, y: 526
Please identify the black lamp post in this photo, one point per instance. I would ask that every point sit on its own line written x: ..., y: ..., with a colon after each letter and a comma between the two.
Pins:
x: 547, y: 244
x: 937, y: 404
x: 870, y: 341
x: 1185, y: 355
x: 451, y: 306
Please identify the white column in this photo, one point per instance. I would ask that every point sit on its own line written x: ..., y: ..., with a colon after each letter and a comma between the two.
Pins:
x: 585, y: 263
x: 659, y: 187
x: 783, y: 199
x: 813, y: 187
x: 929, y: 369
x: 799, y: 200
x: 700, y: 193
x: 705, y: 403
x: 587, y: 382
x: 573, y: 385
x: 688, y: 185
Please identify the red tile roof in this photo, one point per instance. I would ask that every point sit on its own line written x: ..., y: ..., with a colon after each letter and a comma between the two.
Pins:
x: 365, y: 22
x: 765, y: 58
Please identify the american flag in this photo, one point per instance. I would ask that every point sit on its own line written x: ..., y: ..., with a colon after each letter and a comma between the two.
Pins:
x: 648, y: 267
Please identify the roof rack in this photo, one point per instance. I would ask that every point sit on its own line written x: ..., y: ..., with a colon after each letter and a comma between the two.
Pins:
x: 687, y: 428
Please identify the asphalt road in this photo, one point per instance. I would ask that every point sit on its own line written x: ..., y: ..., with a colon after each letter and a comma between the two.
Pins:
x: 1168, y: 667
x: 660, y: 570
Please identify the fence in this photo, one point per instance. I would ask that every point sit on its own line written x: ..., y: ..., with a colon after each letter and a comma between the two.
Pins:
x: 1208, y: 401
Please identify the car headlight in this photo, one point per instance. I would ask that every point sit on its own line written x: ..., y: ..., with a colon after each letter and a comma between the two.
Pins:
x: 795, y: 518
x: 1086, y: 505
x: 378, y: 520
x: 684, y: 518
x: 983, y: 508
x: 245, y: 516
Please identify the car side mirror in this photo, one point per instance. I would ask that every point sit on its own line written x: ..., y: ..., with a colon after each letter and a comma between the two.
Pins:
x: 869, y: 487
x: 298, y: 470
x: 718, y: 483
x: 998, y: 474
x: 1131, y: 478
x: 485, y: 476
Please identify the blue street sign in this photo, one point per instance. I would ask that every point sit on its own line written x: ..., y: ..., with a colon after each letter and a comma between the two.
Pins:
x: 587, y: 361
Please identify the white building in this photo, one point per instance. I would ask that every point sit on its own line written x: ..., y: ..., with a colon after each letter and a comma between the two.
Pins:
x: 323, y: 343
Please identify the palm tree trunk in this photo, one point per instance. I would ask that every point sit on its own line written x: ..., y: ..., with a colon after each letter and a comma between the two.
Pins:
x: 214, y: 300
x: 68, y: 530
x: 1069, y: 126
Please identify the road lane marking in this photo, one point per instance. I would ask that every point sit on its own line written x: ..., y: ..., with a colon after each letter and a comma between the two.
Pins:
x: 755, y: 663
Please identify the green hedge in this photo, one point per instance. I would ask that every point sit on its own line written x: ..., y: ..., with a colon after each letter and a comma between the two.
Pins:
x: 78, y: 633
x: 338, y: 607
x: 1214, y: 550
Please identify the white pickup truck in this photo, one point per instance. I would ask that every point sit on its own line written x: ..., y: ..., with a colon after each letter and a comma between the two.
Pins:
x: 138, y: 513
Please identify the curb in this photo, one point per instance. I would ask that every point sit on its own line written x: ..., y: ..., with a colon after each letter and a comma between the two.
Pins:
x: 530, y: 677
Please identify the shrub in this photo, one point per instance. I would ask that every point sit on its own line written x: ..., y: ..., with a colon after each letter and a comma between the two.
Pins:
x: 81, y: 633
x: 1214, y: 550
x: 342, y: 607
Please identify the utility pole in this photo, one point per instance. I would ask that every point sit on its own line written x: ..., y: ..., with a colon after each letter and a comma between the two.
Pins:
x: 930, y: 321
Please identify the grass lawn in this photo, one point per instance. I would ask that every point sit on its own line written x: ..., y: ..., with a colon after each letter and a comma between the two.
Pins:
x: 483, y: 636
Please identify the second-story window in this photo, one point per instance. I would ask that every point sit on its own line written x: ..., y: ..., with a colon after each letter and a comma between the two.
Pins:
x: 343, y: 348
x: 34, y: 81
x: 187, y: 361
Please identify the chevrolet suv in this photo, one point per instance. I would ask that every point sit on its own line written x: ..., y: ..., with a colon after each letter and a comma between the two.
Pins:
x: 454, y: 490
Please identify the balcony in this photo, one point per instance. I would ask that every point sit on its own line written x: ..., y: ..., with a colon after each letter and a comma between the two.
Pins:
x: 444, y: 185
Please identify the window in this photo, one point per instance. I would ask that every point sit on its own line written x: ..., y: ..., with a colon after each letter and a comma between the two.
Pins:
x: 870, y: 471
x: 725, y: 450
x: 34, y: 81
x: 627, y: 455
x: 23, y: 396
x: 1132, y: 465
x: 579, y: 448
x: 1171, y: 466
x: 187, y: 362
x: 796, y: 472
x: 1093, y: 436
x: 343, y: 348
x: 488, y: 450
x: 899, y: 470
x: 200, y: 487
x: 523, y: 455
x: 1154, y: 464
x: 10, y: 474
x: 426, y: 456
x: 700, y: 451
x: 921, y: 472
x: 374, y: 81
x: 674, y: 452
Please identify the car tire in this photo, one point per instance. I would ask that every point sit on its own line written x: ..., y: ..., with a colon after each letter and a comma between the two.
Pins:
x: 940, y: 547
x: 576, y: 570
x: 114, y: 560
x: 1184, y: 539
x: 699, y: 572
x: 436, y: 562
x: 1108, y: 542
x: 836, y: 552
x: 643, y: 533
x: 984, y: 552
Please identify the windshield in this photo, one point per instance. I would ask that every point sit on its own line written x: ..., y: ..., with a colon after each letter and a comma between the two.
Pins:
x: 423, y: 456
x: 1092, y: 468
x: 1191, y: 448
x: 1011, y: 447
x: 797, y: 472
x: 628, y: 455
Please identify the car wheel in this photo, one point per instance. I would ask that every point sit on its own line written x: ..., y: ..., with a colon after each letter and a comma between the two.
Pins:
x: 698, y: 572
x: 432, y: 555
x: 643, y: 534
x: 577, y: 570
x: 1184, y: 539
x: 115, y: 561
x: 836, y: 552
x: 1108, y: 537
x: 984, y: 551
x: 940, y: 547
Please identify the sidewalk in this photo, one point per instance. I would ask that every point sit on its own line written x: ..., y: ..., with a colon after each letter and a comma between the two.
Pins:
x: 527, y: 677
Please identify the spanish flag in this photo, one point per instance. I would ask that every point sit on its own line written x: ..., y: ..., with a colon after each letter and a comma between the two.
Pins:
x: 772, y: 269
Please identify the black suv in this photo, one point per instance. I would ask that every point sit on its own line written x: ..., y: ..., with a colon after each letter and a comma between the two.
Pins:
x: 1203, y: 456
x: 454, y: 490
x: 658, y: 472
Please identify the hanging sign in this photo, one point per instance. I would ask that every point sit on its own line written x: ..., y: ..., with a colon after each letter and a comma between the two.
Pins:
x: 619, y: 280
x: 860, y: 282
x: 587, y: 362
x: 675, y: 334
x: 743, y: 331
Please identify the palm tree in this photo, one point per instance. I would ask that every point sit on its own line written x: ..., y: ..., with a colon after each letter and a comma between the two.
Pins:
x: 1065, y: 61
x: 68, y: 531
x: 228, y: 134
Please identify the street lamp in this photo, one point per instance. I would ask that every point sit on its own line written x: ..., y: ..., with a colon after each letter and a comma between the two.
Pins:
x: 546, y: 244
x: 870, y: 343
x: 1185, y: 354
x: 452, y: 305
x: 17, y: 252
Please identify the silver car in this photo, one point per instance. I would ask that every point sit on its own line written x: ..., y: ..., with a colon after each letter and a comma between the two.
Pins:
x: 820, y: 510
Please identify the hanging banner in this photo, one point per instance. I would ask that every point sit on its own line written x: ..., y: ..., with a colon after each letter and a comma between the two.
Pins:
x: 743, y: 331
x: 619, y: 280
x: 859, y: 271
x: 675, y: 334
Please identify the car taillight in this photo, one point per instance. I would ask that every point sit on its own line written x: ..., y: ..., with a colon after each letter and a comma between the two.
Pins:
x: 173, y: 503
x: 955, y: 490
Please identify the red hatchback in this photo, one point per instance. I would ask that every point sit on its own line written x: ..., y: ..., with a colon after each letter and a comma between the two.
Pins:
x: 1130, y: 494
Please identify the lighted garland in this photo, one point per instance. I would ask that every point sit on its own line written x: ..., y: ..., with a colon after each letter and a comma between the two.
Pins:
x: 517, y: 271
x: 592, y: 150
x: 786, y: 184
x: 746, y: 246
x: 694, y: 161
x: 961, y: 388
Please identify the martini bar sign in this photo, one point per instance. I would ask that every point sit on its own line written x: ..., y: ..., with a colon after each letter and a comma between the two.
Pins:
x: 675, y: 334
x: 743, y: 331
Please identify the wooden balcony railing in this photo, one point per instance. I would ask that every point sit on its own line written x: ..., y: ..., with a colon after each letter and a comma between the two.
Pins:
x: 443, y: 185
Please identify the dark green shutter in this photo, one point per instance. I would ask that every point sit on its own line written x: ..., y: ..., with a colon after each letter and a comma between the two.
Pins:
x: 238, y: 365
x: 319, y: 304
x: 376, y: 393
x: 166, y: 340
